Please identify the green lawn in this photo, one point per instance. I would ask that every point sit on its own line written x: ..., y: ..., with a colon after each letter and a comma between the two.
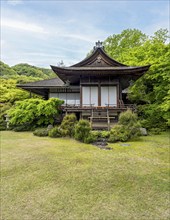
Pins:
x: 51, y: 179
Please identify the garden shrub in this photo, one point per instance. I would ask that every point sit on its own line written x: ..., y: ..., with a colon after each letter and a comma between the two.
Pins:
x: 151, y: 116
x: 155, y: 131
x: 90, y: 138
x: 41, y: 132
x: 23, y: 127
x: 2, y: 124
x: 68, y: 125
x: 119, y: 133
x: 82, y: 131
x: 96, y: 134
x: 105, y: 134
x: 127, y: 118
x: 4, y: 107
x: 36, y: 112
x: 3, y: 127
x: 127, y: 127
x: 55, y: 132
x: 100, y: 134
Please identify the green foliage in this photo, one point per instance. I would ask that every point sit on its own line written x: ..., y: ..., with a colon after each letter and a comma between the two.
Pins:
x: 155, y: 131
x: 100, y: 134
x: 118, y: 45
x: 119, y: 133
x: 55, y: 132
x: 25, y: 71
x: 90, y: 138
x: 41, y: 132
x: 82, y: 131
x: 151, y: 116
x: 6, y: 71
x: 134, y: 48
x: 105, y: 134
x: 4, y: 107
x: 21, y: 73
x: 127, y: 118
x: 35, y: 111
x: 96, y: 134
x: 23, y: 127
x: 68, y: 124
x: 9, y: 92
x: 2, y: 124
x: 127, y: 127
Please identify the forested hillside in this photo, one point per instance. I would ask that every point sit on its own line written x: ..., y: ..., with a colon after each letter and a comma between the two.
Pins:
x: 24, y: 72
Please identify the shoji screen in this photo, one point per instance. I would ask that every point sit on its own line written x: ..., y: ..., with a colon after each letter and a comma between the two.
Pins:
x: 69, y: 98
x: 108, y: 95
x: 113, y: 95
x: 86, y: 95
x: 94, y: 95
x: 90, y: 95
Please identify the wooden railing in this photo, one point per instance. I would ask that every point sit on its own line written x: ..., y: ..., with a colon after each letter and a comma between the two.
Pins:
x: 107, y: 106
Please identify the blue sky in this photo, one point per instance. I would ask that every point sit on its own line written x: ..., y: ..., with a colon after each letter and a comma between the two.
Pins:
x: 44, y: 32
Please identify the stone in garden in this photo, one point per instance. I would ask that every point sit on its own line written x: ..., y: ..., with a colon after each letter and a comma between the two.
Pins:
x: 143, y: 131
x: 49, y: 127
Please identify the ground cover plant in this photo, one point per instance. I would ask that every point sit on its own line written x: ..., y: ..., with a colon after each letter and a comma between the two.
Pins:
x: 46, y: 178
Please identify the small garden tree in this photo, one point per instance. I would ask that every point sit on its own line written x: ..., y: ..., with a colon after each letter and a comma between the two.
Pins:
x: 68, y: 124
x: 83, y: 131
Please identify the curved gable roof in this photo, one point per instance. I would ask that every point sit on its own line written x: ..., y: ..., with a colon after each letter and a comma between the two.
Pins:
x: 98, y: 58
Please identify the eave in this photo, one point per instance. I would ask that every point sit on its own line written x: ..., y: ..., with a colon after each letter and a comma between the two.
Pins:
x: 70, y: 73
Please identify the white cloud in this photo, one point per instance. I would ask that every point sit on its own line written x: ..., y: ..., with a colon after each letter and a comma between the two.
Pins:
x: 15, y: 2
x: 23, y: 26
x: 46, y: 32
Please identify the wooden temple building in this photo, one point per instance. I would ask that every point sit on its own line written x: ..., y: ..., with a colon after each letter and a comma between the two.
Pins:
x: 93, y: 89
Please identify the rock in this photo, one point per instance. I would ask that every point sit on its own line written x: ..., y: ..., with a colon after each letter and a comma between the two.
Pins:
x: 102, y: 145
x: 49, y: 127
x: 125, y: 145
x: 143, y: 131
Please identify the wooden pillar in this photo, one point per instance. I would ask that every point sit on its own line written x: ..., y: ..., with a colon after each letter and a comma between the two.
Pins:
x: 81, y: 92
x: 99, y: 94
x: 119, y: 93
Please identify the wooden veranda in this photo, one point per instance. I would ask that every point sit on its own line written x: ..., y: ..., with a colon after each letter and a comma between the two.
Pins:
x: 100, y: 117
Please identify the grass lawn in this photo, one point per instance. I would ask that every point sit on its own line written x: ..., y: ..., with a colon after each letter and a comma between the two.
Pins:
x: 51, y: 179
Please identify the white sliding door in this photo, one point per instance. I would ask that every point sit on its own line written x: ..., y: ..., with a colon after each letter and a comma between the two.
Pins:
x: 86, y: 95
x: 94, y: 95
x: 113, y: 95
x: 90, y: 95
x: 104, y: 95
x: 108, y: 95
x: 69, y: 98
x: 63, y: 96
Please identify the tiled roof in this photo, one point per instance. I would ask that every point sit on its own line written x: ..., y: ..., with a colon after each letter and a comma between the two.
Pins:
x: 44, y: 83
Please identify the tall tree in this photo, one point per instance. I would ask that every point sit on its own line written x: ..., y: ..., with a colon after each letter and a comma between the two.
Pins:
x: 134, y: 48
